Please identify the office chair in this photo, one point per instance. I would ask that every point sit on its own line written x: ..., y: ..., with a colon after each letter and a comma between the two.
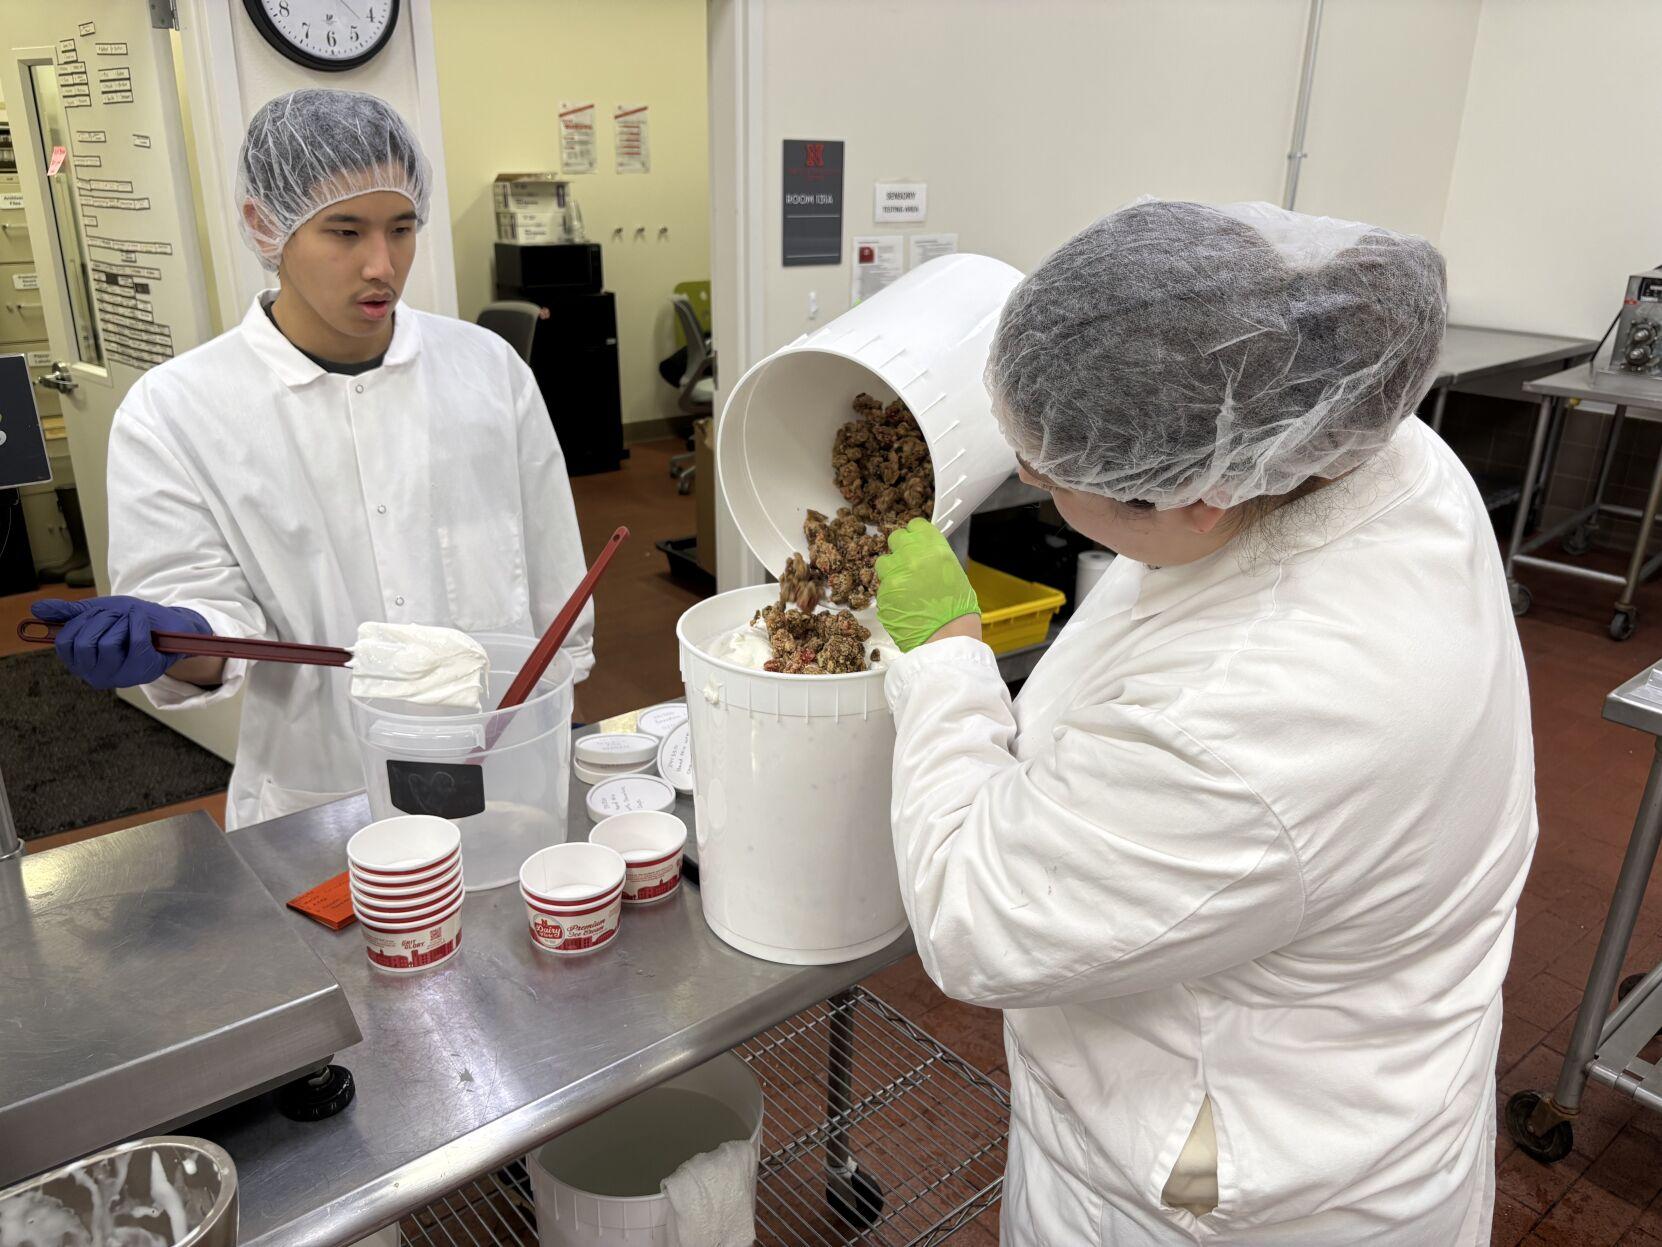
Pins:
x: 514, y: 320
x: 698, y: 385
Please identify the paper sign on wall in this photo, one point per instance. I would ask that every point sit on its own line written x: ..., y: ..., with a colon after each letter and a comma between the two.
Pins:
x: 927, y: 247
x: 878, y: 262
x: 576, y: 137
x: 901, y: 201
x: 631, y: 138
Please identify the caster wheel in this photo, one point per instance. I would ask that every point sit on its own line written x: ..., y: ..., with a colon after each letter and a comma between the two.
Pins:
x: 1549, y: 1148
x: 1578, y: 541
x: 318, y: 1095
x: 857, y: 1199
x: 683, y: 487
x: 1522, y: 599
x: 1623, y: 624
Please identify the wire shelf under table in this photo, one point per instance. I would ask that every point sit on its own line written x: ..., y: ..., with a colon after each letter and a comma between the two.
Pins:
x: 921, y: 1123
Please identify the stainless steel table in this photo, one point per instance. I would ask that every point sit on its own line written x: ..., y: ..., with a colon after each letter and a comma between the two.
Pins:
x: 1604, y: 1049
x: 1635, y: 399
x: 1472, y: 354
x: 1498, y: 362
x: 471, y: 1065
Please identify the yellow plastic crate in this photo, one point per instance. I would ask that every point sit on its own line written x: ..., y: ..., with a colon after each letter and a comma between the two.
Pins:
x: 1015, y: 613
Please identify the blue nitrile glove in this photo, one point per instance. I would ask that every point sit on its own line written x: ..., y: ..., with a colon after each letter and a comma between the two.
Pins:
x: 106, y: 641
x: 921, y: 586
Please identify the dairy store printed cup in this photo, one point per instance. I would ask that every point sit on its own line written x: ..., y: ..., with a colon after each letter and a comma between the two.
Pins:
x: 403, y: 947
x: 573, y: 896
x: 406, y: 908
x: 400, y: 849
x: 434, y: 886
x: 651, y: 845
x: 572, y: 934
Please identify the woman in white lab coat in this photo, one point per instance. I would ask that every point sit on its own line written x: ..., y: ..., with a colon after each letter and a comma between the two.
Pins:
x: 338, y: 457
x: 1240, y: 863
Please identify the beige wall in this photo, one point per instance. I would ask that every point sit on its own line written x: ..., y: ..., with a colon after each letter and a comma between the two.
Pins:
x: 1556, y: 189
x: 503, y: 69
x: 1063, y: 117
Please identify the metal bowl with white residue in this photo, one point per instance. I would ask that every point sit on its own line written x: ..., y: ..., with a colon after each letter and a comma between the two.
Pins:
x: 169, y: 1191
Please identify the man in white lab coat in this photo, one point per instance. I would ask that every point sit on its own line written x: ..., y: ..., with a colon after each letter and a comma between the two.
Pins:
x: 1240, y: 863
x: 337, y: 457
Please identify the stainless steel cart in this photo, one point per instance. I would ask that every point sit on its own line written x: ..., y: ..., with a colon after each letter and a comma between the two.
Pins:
x: 1605, y: 1049
x: 1636, y: 399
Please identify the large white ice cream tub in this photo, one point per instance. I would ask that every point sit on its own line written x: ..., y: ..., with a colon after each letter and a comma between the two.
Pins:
x: 792, y: 799
x: 796, y: 861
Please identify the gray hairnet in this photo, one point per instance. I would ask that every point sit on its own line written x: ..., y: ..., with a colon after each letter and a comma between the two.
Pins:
x: 1176, y: 352
x: 314, y: 147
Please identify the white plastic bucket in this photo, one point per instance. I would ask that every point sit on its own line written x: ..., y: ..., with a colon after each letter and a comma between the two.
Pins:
x: 510, y: 800
x: 598, y: 1184
x: 924, y: 340
x: 791, y: 775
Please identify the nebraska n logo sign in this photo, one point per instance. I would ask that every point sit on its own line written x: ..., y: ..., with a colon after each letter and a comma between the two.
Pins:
x: 816, y: 155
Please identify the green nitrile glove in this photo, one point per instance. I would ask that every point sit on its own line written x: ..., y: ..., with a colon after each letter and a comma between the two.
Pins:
x: 921, y: 587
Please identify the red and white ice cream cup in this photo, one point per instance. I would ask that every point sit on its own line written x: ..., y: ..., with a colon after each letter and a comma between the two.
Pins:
x: 404, y: 947
x: 404, y: 849
x: 573, y: 896
x: 651, y: 845
x: 409, y: 909
x: 380, y: 894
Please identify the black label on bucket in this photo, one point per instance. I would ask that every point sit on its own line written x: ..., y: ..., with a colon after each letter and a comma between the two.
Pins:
x: 443, y: 789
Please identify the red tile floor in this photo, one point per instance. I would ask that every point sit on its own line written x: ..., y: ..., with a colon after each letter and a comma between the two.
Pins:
x: 1589, y: 778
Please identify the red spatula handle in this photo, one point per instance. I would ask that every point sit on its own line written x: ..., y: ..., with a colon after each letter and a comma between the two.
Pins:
x: 557, y: 632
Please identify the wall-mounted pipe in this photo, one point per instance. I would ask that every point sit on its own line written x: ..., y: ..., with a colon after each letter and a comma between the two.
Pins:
x: 1301, y: 118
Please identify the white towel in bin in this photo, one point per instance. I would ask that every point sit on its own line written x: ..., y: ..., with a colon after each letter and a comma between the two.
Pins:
x: 712, y: 1198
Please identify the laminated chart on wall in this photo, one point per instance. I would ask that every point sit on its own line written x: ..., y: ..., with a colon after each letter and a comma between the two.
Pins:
x: 115, y: 171
x: 576, y: 137
x: 632, y: 138
x: 878, y: 262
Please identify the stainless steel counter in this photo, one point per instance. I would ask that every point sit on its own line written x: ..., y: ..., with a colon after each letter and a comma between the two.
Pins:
x: 469, y: 1065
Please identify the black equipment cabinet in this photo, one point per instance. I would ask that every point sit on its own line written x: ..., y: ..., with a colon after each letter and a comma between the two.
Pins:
x: 574, y: 354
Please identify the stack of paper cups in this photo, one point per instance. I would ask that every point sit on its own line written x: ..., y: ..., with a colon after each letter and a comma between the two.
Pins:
x: 406, y: 880
x: 1092, y: 563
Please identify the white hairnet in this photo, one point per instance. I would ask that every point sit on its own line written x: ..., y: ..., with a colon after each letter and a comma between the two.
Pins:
x: 1176, y: 352
x: 314, y: 147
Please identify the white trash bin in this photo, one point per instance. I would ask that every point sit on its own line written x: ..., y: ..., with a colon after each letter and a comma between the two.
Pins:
x: 598, y: 1184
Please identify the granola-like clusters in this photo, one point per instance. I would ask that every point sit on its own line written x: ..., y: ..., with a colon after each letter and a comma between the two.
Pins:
x: 841, y: 552
x: 814, y: 642
x: 881, y: 464
x: 801, y: 585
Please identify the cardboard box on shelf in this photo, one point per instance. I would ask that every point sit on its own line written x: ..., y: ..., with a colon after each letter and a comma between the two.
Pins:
x: 704, y: 486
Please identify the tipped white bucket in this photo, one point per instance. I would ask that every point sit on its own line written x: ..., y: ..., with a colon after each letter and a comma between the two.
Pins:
x: 923, y: 340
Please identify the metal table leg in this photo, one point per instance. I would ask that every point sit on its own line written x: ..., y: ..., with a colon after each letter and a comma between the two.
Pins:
x: 1581, y: 540
x: 853, y: 1194
x: 1543, y: 420
x: 1626, y: 612
x: 1541, y: 1125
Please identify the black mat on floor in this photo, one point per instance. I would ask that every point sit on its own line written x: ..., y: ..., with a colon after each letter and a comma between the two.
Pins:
x: 73, y: 756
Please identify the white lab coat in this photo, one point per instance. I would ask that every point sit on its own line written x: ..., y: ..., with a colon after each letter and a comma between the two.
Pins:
x: 1254, y: 830
x: 285, y: 502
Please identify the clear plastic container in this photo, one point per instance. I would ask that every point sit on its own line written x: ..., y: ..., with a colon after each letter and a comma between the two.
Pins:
x: 509, y: 800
